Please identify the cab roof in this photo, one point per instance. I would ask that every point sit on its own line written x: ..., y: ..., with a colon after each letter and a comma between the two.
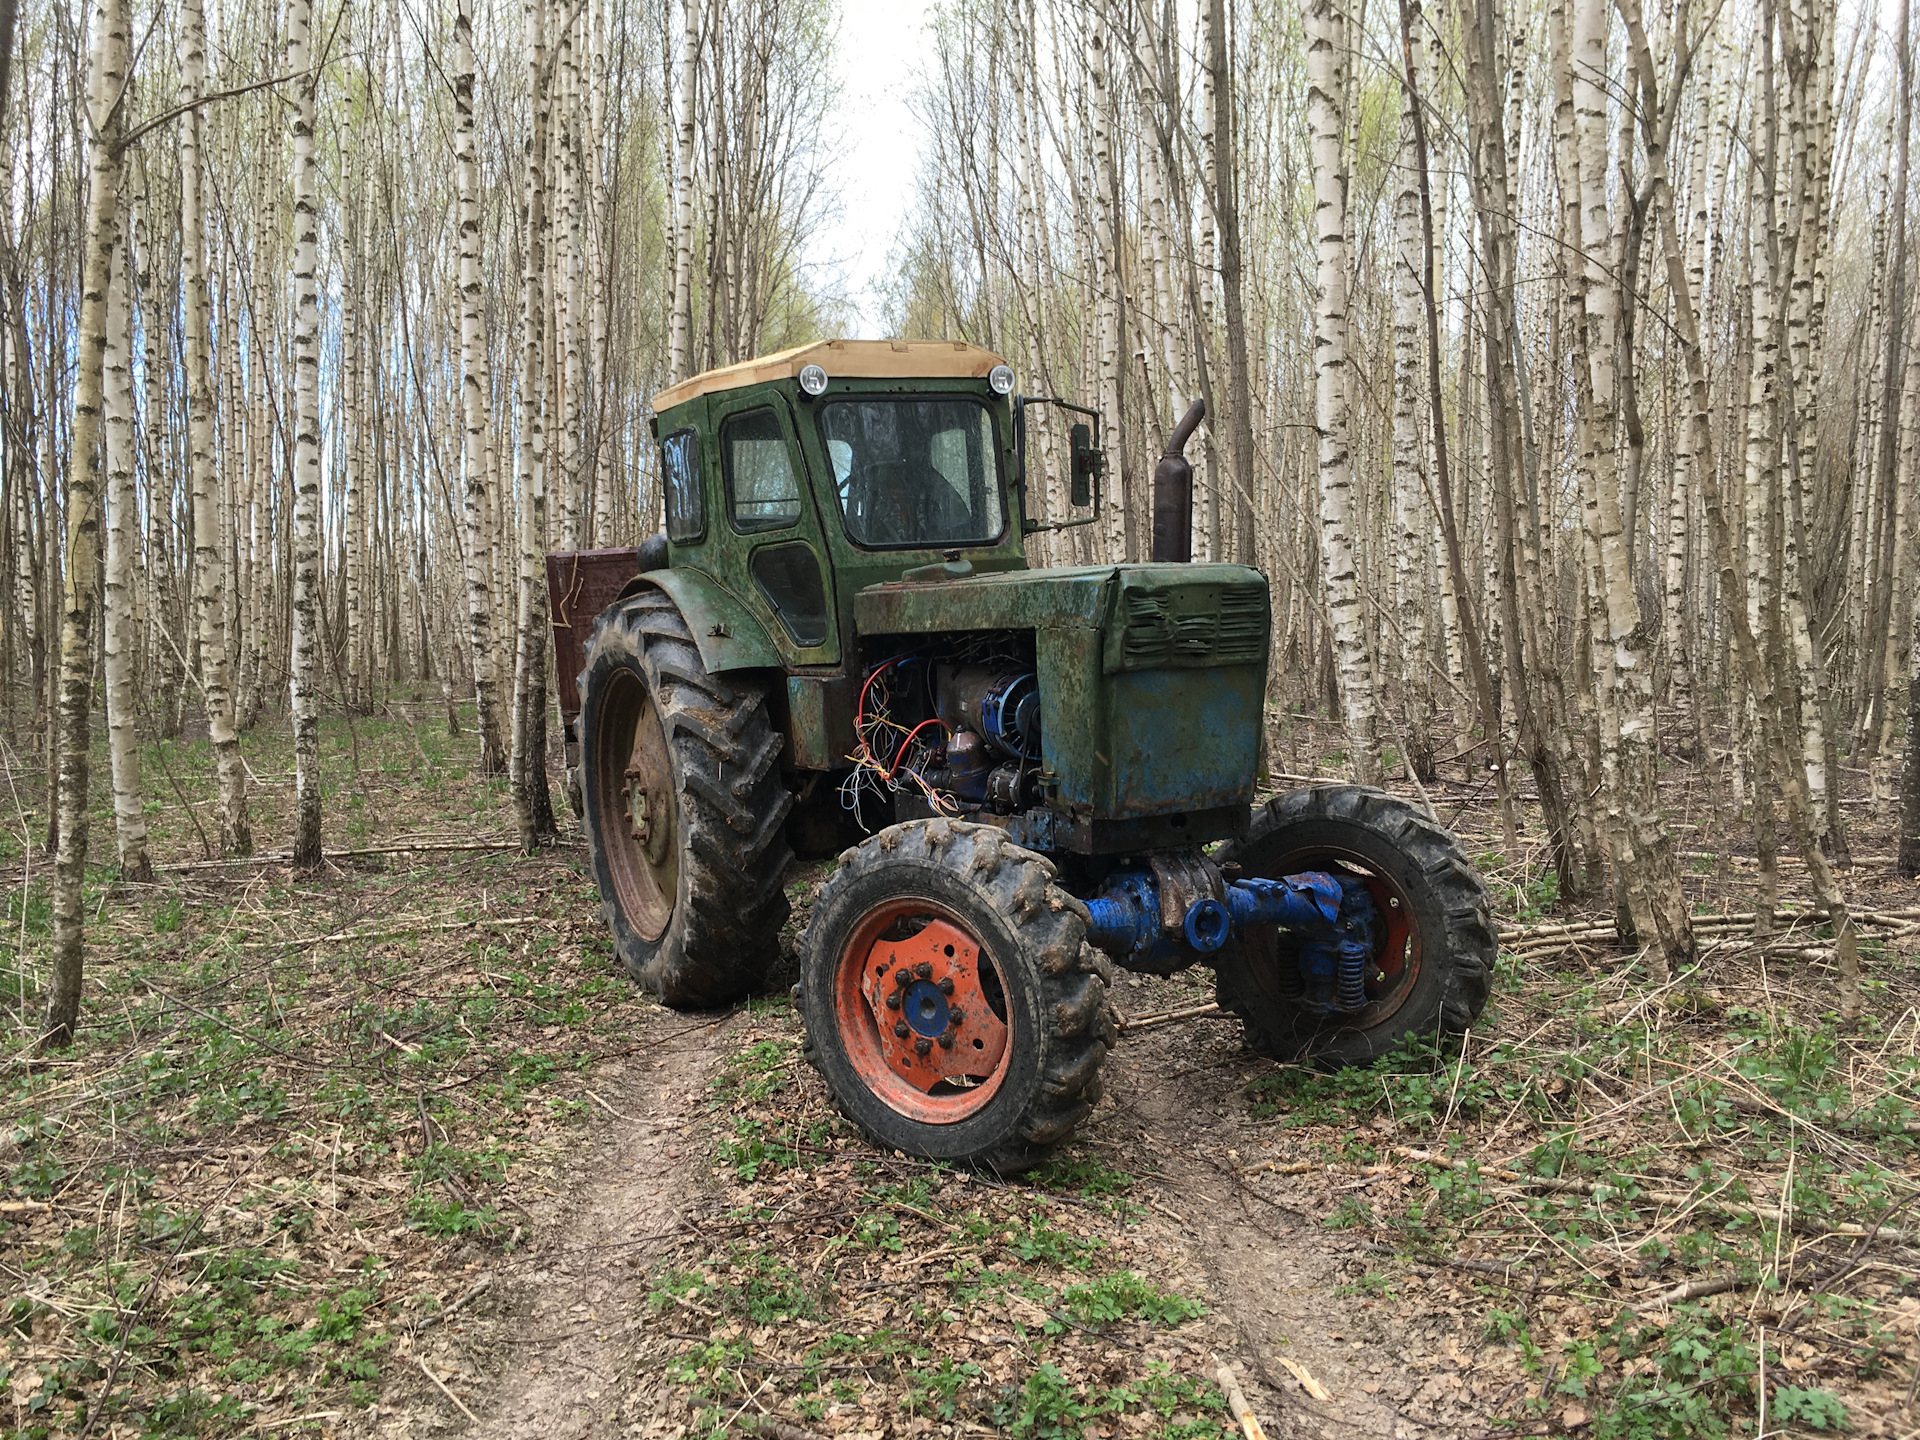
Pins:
x: 859, y: 359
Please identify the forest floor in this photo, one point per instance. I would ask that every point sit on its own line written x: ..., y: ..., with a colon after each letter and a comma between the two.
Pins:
x: 394, y: 1149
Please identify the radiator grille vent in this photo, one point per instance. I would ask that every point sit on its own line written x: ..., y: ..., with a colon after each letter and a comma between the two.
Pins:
x: 1211, y: 625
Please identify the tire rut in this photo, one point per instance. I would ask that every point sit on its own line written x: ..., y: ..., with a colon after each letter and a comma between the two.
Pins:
x: 1273, y: 1272
x: 571, y: 1307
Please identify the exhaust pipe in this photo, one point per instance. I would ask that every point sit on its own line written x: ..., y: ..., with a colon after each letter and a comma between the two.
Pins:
x: 1173, y: 491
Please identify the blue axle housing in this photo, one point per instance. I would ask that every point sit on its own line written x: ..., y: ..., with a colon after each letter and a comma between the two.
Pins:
x: 1329, y: 930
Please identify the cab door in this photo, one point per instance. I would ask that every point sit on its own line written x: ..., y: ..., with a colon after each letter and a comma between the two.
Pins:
x: 768, y: 528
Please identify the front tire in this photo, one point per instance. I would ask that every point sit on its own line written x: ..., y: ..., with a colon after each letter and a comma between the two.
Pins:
x: 989, y: 1050
x: 1435, y: 966
x: 685, y: 813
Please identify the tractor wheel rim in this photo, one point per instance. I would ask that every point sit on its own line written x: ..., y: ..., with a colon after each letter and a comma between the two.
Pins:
x: 1395, y: 965
x: 637, y: 811
x: 915, y: 999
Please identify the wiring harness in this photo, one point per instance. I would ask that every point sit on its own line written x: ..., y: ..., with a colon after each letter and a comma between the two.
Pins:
x: 889, y: 756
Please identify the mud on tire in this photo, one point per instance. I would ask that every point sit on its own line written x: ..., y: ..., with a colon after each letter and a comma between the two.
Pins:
x: 1052, y: 990
x: 691, y: 871
x: 1420, y: 872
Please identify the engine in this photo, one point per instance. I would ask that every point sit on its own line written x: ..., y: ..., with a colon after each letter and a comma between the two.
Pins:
x: 955, y: 732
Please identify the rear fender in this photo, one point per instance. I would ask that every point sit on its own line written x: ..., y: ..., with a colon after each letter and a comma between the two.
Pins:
x: 582, y: 583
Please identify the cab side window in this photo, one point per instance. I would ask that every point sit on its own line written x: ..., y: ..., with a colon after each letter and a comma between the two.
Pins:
x: 762, y: 489
x: 680, y: 470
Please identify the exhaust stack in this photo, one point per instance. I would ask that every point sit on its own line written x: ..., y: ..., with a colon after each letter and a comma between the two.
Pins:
x: 1173, y: 491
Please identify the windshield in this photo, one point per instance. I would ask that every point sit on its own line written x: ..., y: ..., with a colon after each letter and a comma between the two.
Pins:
x: 914, y: 471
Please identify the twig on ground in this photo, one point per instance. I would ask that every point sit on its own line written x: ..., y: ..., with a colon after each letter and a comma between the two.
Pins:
x: 1237, y: 1400
x: 441, y: 1385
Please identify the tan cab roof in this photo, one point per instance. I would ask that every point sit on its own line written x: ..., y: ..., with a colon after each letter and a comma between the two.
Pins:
x: 862, y: 359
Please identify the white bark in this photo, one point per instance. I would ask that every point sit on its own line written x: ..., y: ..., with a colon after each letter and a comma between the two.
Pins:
x: 107, y: 67
x: 680, y: 342
x: 1107, y: 281
x: 305, y: 679
x: 530, y: 458
x: 1326, y: 83
x: 119, y: 637
x: 1411, y: 522
x: 473, y: 404
x: 1643, y: 847
x: 209, y: 555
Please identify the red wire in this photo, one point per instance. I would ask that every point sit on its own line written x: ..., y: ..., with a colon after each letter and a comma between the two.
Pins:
x: 908, y: 741
x: 860, y: 709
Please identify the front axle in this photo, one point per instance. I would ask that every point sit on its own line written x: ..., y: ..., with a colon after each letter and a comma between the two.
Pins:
x: 1327, y: 926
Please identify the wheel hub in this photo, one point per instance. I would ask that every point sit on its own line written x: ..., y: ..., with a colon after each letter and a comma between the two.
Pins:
x: 650, y: 823
x: 932, y: 1014
x: 633, y: 804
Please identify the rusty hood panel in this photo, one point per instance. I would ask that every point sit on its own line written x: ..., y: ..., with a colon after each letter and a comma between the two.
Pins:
x: 1151, y: 677
x: 1168, y: 605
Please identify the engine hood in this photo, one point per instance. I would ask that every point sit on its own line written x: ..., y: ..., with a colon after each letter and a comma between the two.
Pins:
x: 1151, y: 616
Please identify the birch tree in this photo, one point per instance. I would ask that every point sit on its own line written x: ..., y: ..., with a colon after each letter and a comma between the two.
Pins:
x: 304, y: 678
x: 1326, y: 82
x: 107, y: 76
x: 209, y: 555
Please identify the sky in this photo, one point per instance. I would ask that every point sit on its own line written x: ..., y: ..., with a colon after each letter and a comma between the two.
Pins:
x: 879, y: 56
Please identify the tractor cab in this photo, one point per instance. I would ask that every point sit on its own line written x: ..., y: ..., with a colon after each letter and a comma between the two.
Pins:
x: 813, y: 473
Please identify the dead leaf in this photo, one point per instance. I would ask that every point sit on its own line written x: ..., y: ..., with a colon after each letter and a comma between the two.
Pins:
x: 1025, y: 1312
x: 1307, y: 1383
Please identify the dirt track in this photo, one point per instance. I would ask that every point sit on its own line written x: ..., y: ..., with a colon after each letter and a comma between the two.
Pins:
x: 571, y: 1348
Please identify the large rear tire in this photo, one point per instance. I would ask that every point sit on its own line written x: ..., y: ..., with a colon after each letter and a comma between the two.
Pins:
x: 685, y: 812
x: 1435, y: 965
x: 951, y: 1001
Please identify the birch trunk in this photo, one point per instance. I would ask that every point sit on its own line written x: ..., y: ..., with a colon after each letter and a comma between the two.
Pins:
x: 304, y: 680
x: 107, y: 73
x: 1109, y: 344
x: 473, y: 403
x: 1326, y: 68
x: 528, y: 760
x: 1643, y: 853
x: 209, y: 557
x: 119, y: 638
x: 1409, y: 446
x: 680, y: 344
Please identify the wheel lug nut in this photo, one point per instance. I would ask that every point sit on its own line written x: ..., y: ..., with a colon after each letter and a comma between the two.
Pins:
x: 900, y: 1030
x: 946, y: 985
x: 902, y: 976
x: 946, y: 1041
x: 922, y: 1045
x: 893, y: 1001
x: 923, y: 970
x: 955, y: 1016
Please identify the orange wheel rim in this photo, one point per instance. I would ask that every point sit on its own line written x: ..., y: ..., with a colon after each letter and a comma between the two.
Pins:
x: 923, y: 1013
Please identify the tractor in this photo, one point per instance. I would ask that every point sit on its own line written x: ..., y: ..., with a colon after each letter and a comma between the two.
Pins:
x: 1029, y: 776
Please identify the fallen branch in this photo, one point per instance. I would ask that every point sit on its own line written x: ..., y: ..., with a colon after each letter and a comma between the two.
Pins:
x: 473, y: 1292
x: 1701, y: 1289
x: 1237, y: 1400
x: 774, y: 1429
x: 1127, y: 1025
x: 285, y: 857
x: 427, y: 1370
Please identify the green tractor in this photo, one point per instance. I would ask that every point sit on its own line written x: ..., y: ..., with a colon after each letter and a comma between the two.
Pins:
x: 838, y: 635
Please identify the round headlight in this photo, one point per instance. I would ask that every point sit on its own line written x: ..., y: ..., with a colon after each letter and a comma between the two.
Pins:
x: 813, y: 379
x: 1001, y: 379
